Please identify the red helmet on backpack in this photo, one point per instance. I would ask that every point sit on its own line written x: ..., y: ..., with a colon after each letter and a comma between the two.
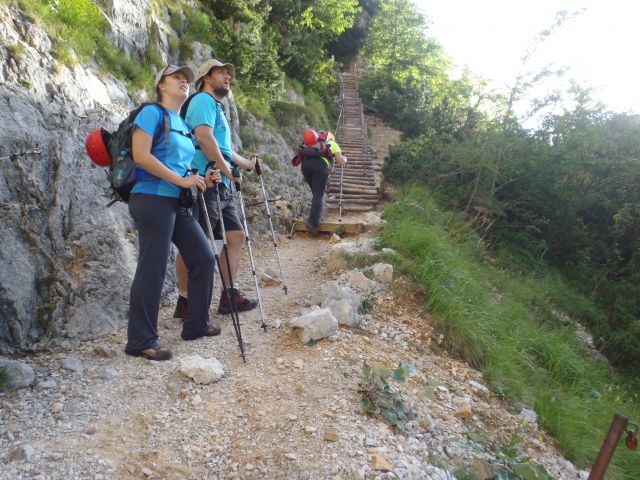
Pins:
x: 310, y: 138
x: 96, y: 145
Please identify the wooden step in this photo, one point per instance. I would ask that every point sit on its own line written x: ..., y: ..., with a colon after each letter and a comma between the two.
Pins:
x: 353, y: 208
x: 330, y: 227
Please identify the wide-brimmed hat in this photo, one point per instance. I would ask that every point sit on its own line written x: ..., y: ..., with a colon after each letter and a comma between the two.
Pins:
x: 206, y: 67
x: 170, y: 70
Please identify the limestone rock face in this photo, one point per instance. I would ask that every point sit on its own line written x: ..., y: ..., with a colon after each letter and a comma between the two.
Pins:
x: 129, y: 25
x: 67, y: 262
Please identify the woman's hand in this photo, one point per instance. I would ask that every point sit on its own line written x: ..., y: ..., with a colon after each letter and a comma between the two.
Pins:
x: 194, y: 181
x: 212, y: 178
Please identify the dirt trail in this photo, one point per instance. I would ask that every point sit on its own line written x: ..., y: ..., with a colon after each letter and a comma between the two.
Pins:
x: 272, y: 417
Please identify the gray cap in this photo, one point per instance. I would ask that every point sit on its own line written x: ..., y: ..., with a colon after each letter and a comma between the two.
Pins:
x: 206, y: 67
x: 171, y: 69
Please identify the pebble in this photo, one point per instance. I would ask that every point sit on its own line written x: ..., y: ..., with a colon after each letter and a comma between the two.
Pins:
x: 56, y: 407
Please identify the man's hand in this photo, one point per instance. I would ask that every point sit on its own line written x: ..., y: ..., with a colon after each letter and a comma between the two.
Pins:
x: 212, y: 178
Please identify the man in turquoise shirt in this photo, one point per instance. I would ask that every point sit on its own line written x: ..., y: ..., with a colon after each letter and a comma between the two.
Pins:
x: 206, y: 116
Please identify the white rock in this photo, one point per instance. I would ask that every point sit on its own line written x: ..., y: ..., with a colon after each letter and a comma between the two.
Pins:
x: 335, y: 238
x: 47, y: 384
x: 109, y: 373
x: 314, y: 325
x: 383, y: 272
x: 202, y: 370
x: 478, y: 388
x: 74, y: 364
x: 529, y: 416
x: 21, y: 452
x: 337, y: 258
x: 335, y: 291
x: 343, y: 311
x: 268, y: 280
x: 19, y: 374
x: 361, y: 282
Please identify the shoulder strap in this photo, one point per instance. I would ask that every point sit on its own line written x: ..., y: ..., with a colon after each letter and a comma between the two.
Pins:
x: 165, y: 124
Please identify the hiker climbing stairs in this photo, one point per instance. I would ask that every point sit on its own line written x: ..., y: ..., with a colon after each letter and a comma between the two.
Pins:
x: 361, y: 176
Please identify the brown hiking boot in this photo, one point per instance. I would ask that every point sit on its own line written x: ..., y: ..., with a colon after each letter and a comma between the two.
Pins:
x: 211, y: 331
x: 243, y: 304
x: 182, y: 307
x: 313, y: 229
x: 158, y: 354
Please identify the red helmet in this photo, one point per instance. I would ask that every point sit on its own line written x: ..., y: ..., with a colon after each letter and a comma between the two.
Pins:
x: 322, y: 136
x: 310, y: 138
x: 96, y: 144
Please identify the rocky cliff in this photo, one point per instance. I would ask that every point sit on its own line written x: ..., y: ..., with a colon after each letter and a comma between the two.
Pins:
x: 66, y: 261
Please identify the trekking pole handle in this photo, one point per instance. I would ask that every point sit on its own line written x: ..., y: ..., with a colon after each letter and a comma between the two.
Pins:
x: 236, y: 173
x: 258, y: 169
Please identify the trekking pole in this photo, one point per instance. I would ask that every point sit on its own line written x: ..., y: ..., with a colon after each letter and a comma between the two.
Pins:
x: 14, y: 156
x: 230, y: 291
x: 341, y: 178
x: 273, y: 233
x: 235, y: 318
x: 250, y: 250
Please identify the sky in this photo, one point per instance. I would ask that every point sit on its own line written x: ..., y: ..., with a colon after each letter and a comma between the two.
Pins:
x: 600, y: 47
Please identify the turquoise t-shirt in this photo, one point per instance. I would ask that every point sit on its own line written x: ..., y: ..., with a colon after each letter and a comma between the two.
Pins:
x: 205, y: 110
x: 176, y: 155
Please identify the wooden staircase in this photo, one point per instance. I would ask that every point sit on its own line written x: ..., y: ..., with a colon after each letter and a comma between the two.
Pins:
x: 361, y: 176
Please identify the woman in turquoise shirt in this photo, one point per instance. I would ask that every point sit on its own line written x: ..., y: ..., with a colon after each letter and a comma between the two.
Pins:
x: 163, y: 170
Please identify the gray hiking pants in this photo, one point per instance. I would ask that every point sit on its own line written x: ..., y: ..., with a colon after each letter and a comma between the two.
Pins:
x: 160, y: 221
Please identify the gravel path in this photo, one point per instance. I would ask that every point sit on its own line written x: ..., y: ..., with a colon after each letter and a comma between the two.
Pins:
x: 291, y: 412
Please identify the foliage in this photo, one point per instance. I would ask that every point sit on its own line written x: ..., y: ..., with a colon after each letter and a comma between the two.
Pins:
x: 506, y: 324
x: 303, y: 30
x: 408, y: 83
x: 565, y: 194
x: 366, y: 305
x: 379, y: 396
x: 16, y: 51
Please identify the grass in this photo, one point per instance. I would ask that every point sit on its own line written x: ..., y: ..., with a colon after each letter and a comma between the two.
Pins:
x: 503, y: 323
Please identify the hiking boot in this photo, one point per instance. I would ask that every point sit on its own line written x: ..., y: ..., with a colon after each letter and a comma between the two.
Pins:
x: 243, y: 304
x: 159, y: 354
x: 314, y: 231
x: 182, y: 307
x: 212, y: 331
